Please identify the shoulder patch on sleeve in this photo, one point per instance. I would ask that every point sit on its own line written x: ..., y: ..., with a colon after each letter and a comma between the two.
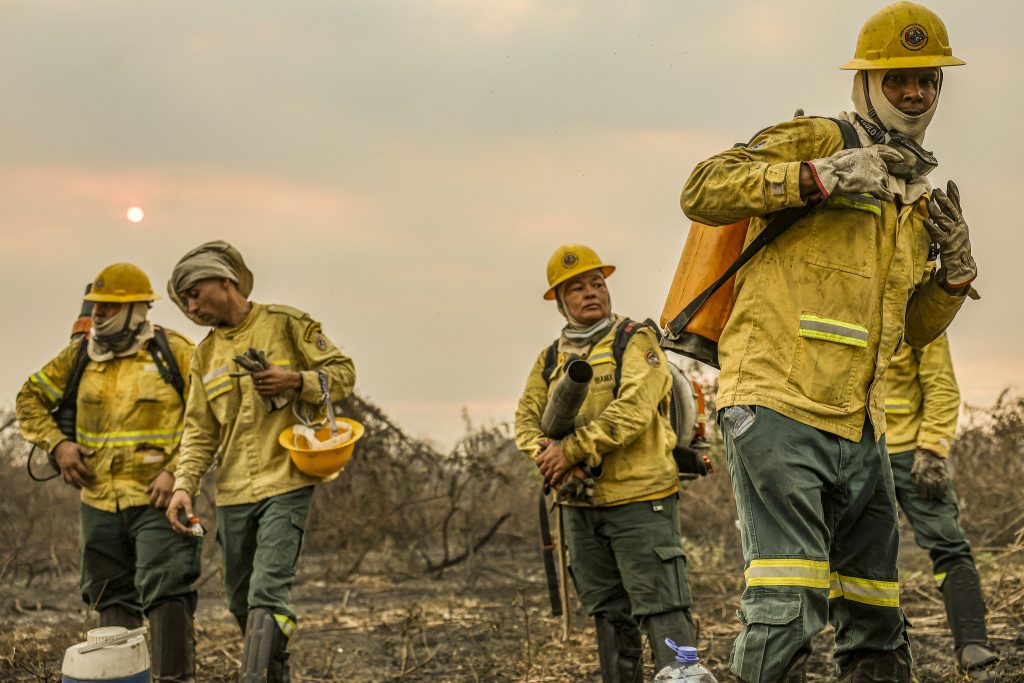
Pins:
x: 312, y: 332
x: 652, y: 359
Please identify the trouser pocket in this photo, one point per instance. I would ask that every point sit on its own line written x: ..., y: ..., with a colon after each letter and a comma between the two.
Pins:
x: 772, y: 634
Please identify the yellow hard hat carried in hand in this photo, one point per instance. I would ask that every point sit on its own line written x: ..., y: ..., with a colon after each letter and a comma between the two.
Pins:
x: 568, y: 261
x: 121, y: 283
x: 903, y: 35
x: 315, y: 460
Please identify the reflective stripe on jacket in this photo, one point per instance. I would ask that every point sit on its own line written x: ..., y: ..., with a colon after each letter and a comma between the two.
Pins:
x: 819, y: 311
x: 629, y: 436
x: 227, y: 420
x: 922, y: 400
x: 127, y: 413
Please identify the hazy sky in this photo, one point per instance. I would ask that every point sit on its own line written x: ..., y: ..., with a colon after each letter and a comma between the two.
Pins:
x: 403, y: 170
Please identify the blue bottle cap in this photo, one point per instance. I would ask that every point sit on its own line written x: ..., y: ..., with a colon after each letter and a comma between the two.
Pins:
x: 684, y: 653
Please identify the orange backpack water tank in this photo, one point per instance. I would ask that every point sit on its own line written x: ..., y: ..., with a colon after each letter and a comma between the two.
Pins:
x: 707, y: 254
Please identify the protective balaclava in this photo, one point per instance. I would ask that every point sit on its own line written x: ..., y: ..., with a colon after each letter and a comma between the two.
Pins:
x: 886, y: 124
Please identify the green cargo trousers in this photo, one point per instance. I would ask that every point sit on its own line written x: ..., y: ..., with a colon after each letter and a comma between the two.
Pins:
x: 260, y: 543
x: 133, y: 558
x: 817, y: 518
x: 627, y: 561
x: 935, y: 522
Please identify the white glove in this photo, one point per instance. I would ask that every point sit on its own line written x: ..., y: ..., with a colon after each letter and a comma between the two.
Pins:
x: 861, y: 170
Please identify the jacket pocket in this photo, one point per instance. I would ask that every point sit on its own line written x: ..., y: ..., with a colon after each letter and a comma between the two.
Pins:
x: 844, y: 238
x: 222, y: 393
x: 155, y: 401
x: 827, y: 358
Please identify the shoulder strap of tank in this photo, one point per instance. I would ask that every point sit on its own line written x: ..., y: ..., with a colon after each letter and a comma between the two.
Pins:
x: 550, y: 362
x: 160, y: 349
x: 850, y: 138
x: 625, y: 332
x: 775, y: 227
x: 70, y: 397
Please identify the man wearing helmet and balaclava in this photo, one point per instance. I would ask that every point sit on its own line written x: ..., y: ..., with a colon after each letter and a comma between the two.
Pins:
x: 817, y: 315
x: 124, y: 387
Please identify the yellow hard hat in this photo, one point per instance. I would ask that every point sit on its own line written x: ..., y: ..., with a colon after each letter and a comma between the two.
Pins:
x: 903, y: 35
x: 568, y: 261
x: 325, y: 462
x: 121, y: 283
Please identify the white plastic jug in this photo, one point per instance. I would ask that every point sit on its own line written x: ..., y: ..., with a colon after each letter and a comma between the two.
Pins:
x: 111, y: 654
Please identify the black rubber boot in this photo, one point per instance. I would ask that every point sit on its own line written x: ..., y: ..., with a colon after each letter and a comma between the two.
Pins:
x: 675, y: 625
x: 620, y: 650
x: 264, y: 659
x: 119, y: 615
x: 173, y: 643
x: 876, y: 666
x: 965, y: 612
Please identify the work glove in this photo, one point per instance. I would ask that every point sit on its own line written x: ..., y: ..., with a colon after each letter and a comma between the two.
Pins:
x: 929, y: 474
x: 948, y: 229
x: 255, y: 360
x: 861, y: 170
x: 577, y: 487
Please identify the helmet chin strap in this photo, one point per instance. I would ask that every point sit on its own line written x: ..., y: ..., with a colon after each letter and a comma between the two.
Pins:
x: 924, y: 161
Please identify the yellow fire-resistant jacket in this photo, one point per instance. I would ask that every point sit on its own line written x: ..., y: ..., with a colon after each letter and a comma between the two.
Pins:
x: 922, y: 399
x: 227, y: 420
x: 819, y: 311
x: 629, y: 436
x: 129, y: 415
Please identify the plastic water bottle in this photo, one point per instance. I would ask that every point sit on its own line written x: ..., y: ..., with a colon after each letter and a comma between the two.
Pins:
x: 687, y: 667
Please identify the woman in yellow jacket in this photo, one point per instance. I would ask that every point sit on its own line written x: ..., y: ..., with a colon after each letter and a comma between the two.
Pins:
x: 122, y: 456
x: 625, y: 545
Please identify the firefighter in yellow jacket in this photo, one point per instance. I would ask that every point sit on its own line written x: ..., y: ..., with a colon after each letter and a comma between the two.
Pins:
x: 127, y: 382
x: 817, y: 314
x: 922, y: 404
x: 234, y: 416
x: 624, y: 541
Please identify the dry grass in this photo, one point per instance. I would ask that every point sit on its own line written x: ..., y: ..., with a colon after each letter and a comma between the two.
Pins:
x: 377, y: 602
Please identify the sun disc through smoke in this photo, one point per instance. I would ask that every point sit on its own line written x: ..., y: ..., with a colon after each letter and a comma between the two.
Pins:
x: 135, y: 214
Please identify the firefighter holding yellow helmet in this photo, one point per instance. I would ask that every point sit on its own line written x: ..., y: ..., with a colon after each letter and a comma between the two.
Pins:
x: 126, y: 384
x: 817, y: 314
x: 257, y: 361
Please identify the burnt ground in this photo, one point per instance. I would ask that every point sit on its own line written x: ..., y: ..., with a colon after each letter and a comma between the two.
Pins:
x: 485, y: 620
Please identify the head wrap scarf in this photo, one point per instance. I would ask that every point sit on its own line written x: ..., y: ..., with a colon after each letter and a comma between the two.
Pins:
x: 216, y: 259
